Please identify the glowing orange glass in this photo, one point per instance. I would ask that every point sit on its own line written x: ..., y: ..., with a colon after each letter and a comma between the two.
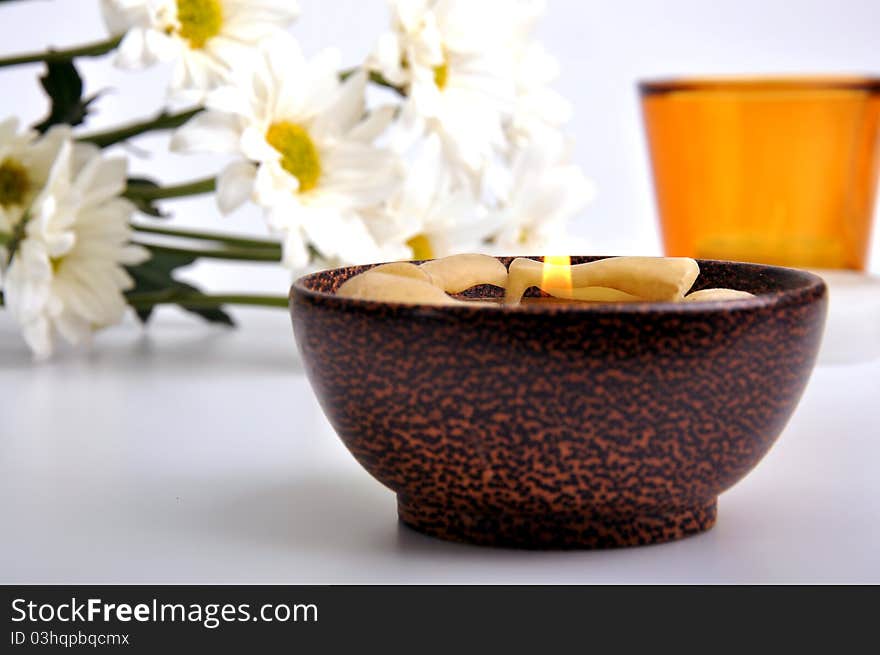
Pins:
x: 779, y: 171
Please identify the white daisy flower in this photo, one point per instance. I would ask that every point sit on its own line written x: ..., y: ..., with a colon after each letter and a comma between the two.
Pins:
x: 67, y: 275
x: 456, y: 60
x: 204, y: 37
x: 25, y: 161
x: 539, y: 109
x: 544, y: 192
x: 306, y: 148
x: 120, y: 16
x: 429, y: 216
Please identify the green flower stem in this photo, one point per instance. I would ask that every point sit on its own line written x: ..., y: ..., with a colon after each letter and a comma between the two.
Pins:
x: 13, y: 240
x: 228, y: 240
x: 166, y: 121
x: 5, y: 237
x: 375, y: 78
x: 199, y: 300
x: 163, y: 121
x: 89, y: 50
x: 198, y: 187
x: 235, y: 254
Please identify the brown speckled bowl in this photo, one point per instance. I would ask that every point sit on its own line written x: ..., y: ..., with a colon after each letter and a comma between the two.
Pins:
x: 567, y: 426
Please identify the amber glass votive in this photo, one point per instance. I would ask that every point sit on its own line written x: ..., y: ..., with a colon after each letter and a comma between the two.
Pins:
x: 771, y: 170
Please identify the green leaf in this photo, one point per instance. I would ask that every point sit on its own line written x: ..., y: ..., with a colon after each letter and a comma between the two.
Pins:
x: 210, y: 314
x: 155, y: 275
x: 142, y: 203
x: 64, y: 87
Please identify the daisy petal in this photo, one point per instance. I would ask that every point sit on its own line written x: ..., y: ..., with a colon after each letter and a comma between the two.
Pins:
x: 235, y: 186
x: 209, y: 131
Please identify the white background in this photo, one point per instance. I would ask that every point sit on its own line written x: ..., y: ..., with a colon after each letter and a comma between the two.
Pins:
x: 604, y: 48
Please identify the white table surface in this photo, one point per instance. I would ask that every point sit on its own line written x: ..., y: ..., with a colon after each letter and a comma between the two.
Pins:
x: 193, y: 454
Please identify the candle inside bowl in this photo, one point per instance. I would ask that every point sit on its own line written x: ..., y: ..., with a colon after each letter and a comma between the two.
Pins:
x: 637, y: 278
x: 609, y: 280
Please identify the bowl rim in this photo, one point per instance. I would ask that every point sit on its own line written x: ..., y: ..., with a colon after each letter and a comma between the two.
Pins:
x: 811, y: 284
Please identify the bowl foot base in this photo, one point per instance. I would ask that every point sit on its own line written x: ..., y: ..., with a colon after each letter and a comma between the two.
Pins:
x: 554, y: 531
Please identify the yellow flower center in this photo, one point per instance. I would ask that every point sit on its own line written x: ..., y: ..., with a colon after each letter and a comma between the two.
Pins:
x: 441, y: 75
x: 421, y: 247
x: 200, y: 21
x: 299, y: 156
x: 14, y: 183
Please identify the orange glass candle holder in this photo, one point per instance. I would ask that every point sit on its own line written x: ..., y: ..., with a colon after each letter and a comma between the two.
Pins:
x: 777, y: 170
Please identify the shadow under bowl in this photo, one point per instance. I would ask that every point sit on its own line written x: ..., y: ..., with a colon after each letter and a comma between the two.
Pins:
x: 562, y: 425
